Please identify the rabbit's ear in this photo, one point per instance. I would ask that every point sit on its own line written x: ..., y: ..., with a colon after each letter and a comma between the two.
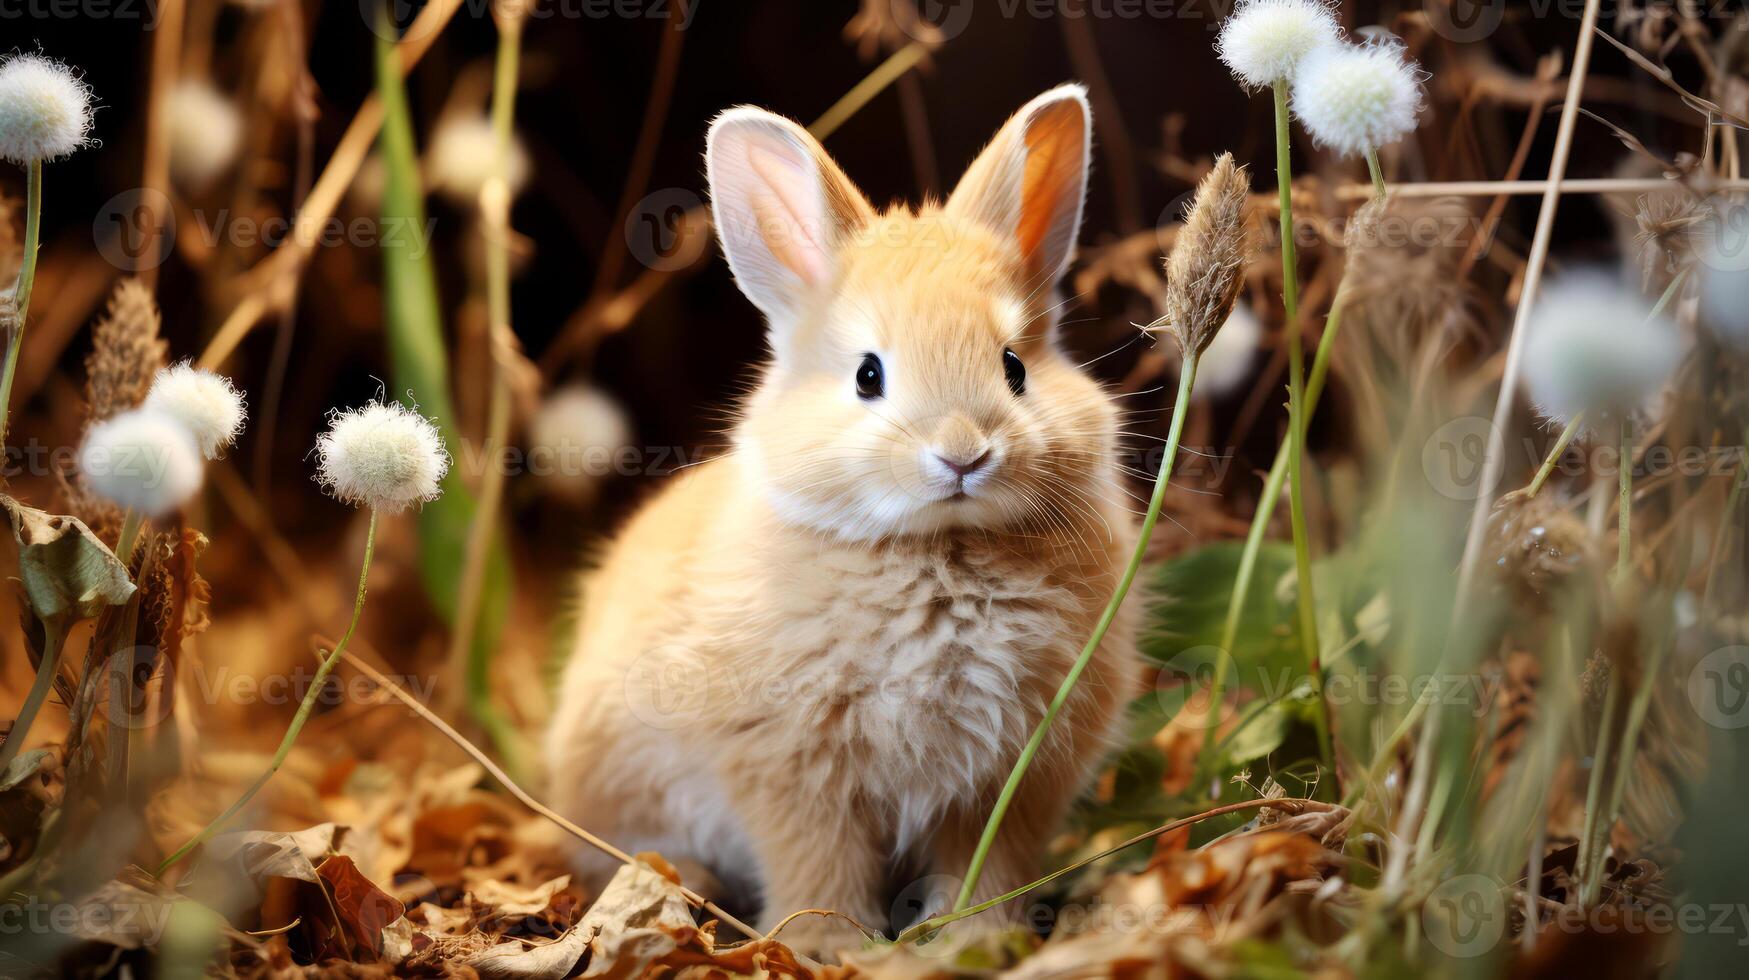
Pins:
x: 780, y: 205
x: 1030, y: 181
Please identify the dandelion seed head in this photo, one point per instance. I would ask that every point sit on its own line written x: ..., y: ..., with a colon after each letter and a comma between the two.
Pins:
x: 1356, y: 97
x: 577, y: 427
x: 1593, y: 346
x: 384, y: 456
x: 1264, y: 41
x: 144, y: 460
x: 45, y: 109
x: 206, y: 133
x: 1724, y: 305
x: 206, y: 404
x: 1229, y: 358
x: 464, y: 156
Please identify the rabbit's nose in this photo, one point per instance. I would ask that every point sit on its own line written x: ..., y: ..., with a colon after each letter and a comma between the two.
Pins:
x: 961, y: 466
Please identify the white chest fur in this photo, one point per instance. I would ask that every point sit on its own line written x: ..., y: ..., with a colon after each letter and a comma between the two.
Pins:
x: 914, y: 672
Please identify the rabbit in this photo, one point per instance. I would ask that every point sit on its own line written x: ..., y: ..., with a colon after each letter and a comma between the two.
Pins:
x: 815, y: 659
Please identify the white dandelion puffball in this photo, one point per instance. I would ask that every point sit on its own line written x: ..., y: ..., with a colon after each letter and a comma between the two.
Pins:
x: 1357, y: 97
x: 45, y: 109
x: 1724, y: 305
x: 143, y: 460
x: 1227, y: 361
x: 384, y: 456
x: 1264, y: 41
x: 206, y: 133
x: 575, y: 438
x: 1594, y: 347
x: 464, y: 155
x: 207, y: 405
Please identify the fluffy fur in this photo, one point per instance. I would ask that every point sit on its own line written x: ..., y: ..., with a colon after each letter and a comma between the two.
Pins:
x: 816, y: 659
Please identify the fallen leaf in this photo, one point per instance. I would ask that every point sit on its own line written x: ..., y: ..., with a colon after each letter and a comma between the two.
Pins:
x: 68, y: 574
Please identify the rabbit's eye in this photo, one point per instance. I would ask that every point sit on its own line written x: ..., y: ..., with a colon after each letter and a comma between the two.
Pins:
x: 1015, y: 371
x: 870, y: 382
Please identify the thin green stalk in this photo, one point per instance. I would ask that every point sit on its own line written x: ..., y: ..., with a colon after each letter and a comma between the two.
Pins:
x: 130, y: 535
x: 1180, y: 408
x: 473, y: 660
x: 1266, y: 503
x: 33, y: 206
x: 298, y: 720
x: 1378, y: 174
x: 1624, y: 559
x: 1589, y: 844
x: 1554, y: 456
x: 54, y: 637
x: 1296, y: 423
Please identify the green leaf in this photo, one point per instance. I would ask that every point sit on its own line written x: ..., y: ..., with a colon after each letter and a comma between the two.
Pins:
x: 419, y: 367
x: 1184, y: 628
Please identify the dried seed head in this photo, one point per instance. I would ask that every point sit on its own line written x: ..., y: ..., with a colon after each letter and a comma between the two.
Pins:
x: 1207, y: 265
x: 206, y: 403
x: 384, y: 456
x: 1264, y: 41
x: 45, y: 109
x: 141, y: 459
x: 1357, y: 97
x: 126, y: 352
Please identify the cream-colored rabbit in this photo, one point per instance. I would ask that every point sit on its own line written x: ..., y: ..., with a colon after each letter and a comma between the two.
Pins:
x: 817, y: 657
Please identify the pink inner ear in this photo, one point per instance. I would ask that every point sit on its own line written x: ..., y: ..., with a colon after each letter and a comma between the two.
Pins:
x: 786, y: 203
x: 1053, y: 144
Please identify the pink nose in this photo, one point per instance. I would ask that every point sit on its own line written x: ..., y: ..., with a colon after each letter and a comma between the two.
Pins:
x: 965, y: 469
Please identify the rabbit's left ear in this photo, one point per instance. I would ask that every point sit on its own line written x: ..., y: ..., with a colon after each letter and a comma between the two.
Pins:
x: 1030, y: 181
x: 781, y: 208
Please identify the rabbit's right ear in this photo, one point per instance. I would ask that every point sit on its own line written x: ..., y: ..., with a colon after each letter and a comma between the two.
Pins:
x: 780, y: 205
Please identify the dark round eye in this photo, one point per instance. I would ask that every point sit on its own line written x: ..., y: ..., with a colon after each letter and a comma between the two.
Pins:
x: 1015, y: 371
x: 870, y: 383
